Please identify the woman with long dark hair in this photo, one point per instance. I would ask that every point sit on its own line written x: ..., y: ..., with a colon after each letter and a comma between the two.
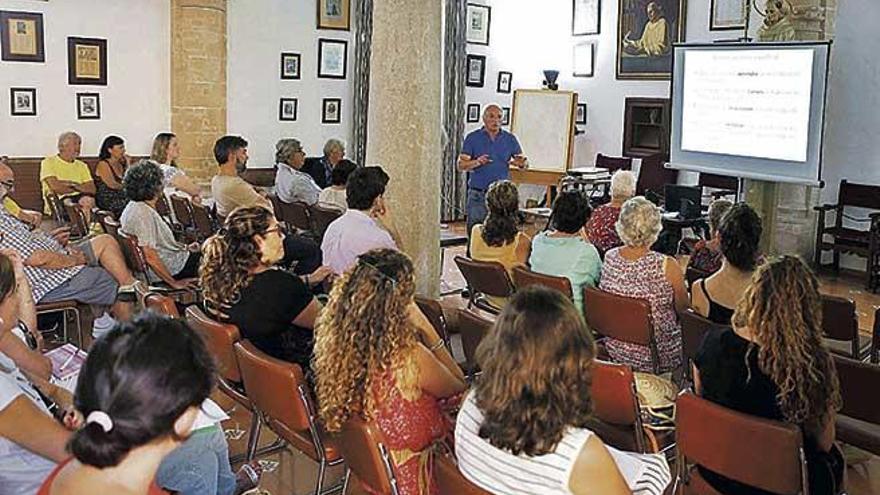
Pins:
x: 112, y: 163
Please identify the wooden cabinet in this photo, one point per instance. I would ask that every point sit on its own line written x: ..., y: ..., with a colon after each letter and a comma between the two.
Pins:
x: 646, y: 126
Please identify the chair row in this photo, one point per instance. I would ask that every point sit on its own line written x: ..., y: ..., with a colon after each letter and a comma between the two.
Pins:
x: 312, y: 218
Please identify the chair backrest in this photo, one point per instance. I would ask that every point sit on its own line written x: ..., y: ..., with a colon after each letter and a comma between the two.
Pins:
x: 613, y: 391
x: 693, y: 274
x: 619, y: 317
x: 523, y: 277
x: 451, y: 481
x: 485, y: 277
x: 367, y: 457
x: 858, y: 383
x: 203, y: 219
x: 653, y: 175
x: 613, y: 163
x: 860, y: 195
x: 473, y: 328
x: 839, y: 319
x: 132, y: 253
x: 693, y: 329
x: 433, y: 311
x: 295, y: 214
x: 322, y: 216
x: 162, y: 206
x: 161, y: 304
x: 725, y: 441
x: 78, y: 226
x: 56, y: 208
x: 110, y: 224
x: 181, y: 207
x: 220, y: 339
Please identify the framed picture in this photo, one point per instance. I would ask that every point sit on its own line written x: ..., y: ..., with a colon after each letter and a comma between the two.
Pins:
x: 88, y: 106
x: 727, y: 14
x: 585, y: 17
x: 479, y: 18
x: 22, y: 36
x: 646, y: 30
x: 290, y: 65
x: 476, y: 71
x: 23, y: 101
x: 582, y: 59
x: 473, y: 113
x: 332, y: 111
x: 580, y: 117
x: 334, y: 14
x: 505, y: 115
x: 504, y: 80
x: 332, y: 58
x: 287, y: 108
x: 87, y: 61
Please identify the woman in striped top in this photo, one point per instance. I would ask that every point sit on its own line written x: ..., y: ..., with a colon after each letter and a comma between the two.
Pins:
x: 522, y: 429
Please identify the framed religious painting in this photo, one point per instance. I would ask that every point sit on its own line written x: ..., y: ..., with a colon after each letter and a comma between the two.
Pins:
x: 22, y: 37
x: 505, y: 116
x: 479, y: 19
x: 287, y: 108
x: 290, y: 63
x: 476, y: 71
x: 87, y: 61
x: 585, y: 17
x: 727, y: 14
x: 504, y: 80
x: 473, y: 113
x: 332, y: 58
x: 334, y: 14
x: 23, y: 101
x: 580, y: 117
x: 646, y: 30
x: 331, y: 111
x: 88, y: 106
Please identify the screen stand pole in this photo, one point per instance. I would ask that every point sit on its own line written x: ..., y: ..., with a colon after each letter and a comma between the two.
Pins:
x: 747, y: 5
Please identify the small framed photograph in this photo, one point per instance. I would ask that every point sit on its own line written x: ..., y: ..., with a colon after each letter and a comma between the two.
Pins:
x: 580, y: 117
x: 582, y: 59
x: 290, y: 65
x: 87, y: 61
x: 332, y: 111
x: 332, y: 58
x: 22, y: 36
x: 727, y: 14
x: 334, y: 14
x: 479, y: 18
x: 504, y: 80
x: 287, y: 108
x: 476, y: 71
x: 23, y: 101
x: 88, y: 106
x: 473, y: 113
x: 585, y: 17
x: 505, y: 115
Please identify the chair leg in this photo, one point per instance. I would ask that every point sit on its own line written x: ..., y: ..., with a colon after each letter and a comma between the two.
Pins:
x: 254, y: 437
x: 345, y: 481
x: 319, y: 484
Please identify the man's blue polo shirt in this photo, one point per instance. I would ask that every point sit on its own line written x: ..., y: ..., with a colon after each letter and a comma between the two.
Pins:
x: 500, y: 151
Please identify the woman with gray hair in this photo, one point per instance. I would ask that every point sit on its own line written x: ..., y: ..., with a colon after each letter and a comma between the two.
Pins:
x: 635, y: 271
x: 291, y: 183
x: 601, y: 227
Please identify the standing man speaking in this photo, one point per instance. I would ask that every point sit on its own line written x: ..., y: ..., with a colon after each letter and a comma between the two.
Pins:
x: 487, y: 154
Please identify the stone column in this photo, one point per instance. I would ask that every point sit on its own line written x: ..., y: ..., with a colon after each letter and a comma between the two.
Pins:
x: 404, y: 125
x: 198, y: 82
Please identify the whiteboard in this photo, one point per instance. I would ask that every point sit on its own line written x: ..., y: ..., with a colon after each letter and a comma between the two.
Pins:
x: 543, y: 122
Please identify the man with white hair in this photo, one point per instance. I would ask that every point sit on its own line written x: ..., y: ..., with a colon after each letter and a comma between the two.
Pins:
x: 67, y: 177
x: 321, y: 168
x: 601, y: 229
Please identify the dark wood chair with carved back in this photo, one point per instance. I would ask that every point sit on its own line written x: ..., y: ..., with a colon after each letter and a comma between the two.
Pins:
x: 621, y: 318
x: 485, y: 278
x: 838, y: 238
x: 858, y: 421
x: 840, y: 326
x: 523, y: 277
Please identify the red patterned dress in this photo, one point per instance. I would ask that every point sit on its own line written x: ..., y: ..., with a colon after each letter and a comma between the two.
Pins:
x: 601, y: 228
x: 644, y: 278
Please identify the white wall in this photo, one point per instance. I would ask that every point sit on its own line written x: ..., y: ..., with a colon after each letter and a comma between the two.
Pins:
x: 136, y: 101
x: 258, y: 31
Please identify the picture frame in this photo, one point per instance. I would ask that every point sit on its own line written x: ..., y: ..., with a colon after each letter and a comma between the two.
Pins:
x: 88, y: 106
x: 476, y: 71
x: 580, y: 117
x: 332, y: 58
x: 22, y: 102
x: 287, y: 109
x: 479, y: 22
x: 585, y: 17
x: 87, y: 61
x: 331, y: 111
x: 290, y: 65
x: 473, y: 113
x: 334, y: 14
x: 505, y: 115
x: 21, y: 37
x: 726, y: 15
x: 504, y: 82
x: 644, y: 45
x: 583, y: 58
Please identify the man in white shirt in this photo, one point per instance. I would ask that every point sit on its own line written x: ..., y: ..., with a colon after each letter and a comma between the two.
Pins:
x: 291, y: 183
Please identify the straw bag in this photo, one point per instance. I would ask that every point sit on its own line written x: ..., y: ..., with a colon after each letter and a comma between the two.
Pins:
x: 657, y: 403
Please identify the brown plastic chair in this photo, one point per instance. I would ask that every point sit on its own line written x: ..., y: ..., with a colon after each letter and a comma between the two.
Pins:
x: 858, y: 422
x: 182, y: 210
x: 78, y: 226
x: 523, y: 277
x: 840, y: 326
x: 473, y: 328
x: 693, y: 328
x: 205, y: 222
x: 294, y: 214
x: 321, y: 217
x: 162, y: 206
x: 161, y: 304
x: 66, y: 308
x: 56, y: 208
x: 484, y: 278
x: 366, y: 457
x: 278, y: 390
x: 621, y: 318
x: 433, y: 310
x: 451, y: 481
x: 724, y: 441
x: 101, y: 216
x: 110, y: 225
x: 692, y: 275
x: 617, y: 419
x: 137, y: 264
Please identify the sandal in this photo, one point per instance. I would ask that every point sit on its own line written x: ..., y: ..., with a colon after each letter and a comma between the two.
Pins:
x: 248, y: 478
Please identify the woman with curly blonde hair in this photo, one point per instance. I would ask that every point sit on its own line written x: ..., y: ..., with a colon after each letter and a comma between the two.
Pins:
x: 774, y: 364
x: 378, y: 357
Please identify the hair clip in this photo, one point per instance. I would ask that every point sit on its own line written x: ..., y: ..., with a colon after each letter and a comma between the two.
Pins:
x: 101, y: 418
x: 380, y: 272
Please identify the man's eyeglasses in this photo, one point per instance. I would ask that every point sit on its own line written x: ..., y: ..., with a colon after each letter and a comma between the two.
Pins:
x: 8, y: 183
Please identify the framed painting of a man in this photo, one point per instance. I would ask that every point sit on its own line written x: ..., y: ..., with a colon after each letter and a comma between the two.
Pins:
x: 646, y: 30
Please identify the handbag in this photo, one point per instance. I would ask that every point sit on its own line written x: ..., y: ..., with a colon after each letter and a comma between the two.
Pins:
x: 656, y: 396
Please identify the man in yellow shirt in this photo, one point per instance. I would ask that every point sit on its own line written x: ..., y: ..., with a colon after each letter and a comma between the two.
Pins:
x: 655, y: 38
x: 67, y: 177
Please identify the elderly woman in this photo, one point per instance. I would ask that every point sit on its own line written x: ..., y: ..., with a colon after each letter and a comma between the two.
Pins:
x: 320, y: 170
x: 169, y: 261
x: 166, y: 151
x: 633, y: 270
x: 291, y: 183
x: 706, y: 257
x: 601, y: 228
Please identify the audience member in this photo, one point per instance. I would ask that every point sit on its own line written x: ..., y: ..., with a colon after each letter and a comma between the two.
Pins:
x: 321, y: 168
x: 24, y: 342
x: 228, y: 189
x: 139, y: 392
x: 499, y: 238
x: 170, y: 261
x: 378, y: 357
x: 112, y: 162
x: 739, y: 237
x: 7, y: 187
x: 241, y: 285
x: 366, y: 225
x: 601, y: 228
x: 66, y: 177
x: 633, y: 270
x: 165, y: 152
x: 334, y: 194
x: 565, y: 250
x: 773, y: 364
x: 706, y: 257
x: 523, y: 426
x: 291, y: 183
